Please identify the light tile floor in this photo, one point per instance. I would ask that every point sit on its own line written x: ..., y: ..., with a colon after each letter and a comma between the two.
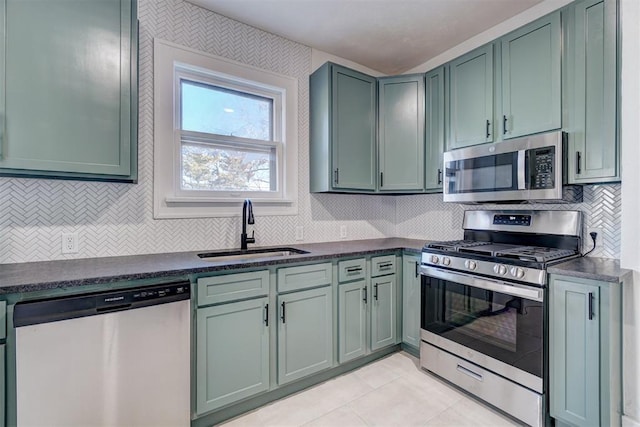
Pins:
x: 392, y: 391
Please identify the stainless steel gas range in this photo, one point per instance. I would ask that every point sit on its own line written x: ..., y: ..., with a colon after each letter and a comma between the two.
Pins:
x: 483, y: 305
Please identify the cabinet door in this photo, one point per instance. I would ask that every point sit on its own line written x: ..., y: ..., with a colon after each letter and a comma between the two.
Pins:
x: 383, y: 311
x: 531, y: 76
x: 68, y: 110
x: 471, y: 98
x: 574, y: 352
x: 352, y: 320
x: 411, y: 301
x: 3, y: 386
x: 401, y: 132
x: 593, y: 90
x: 232, y: 352
x: 434, y: 128
x: 305, y: 333
x: 354, y: 129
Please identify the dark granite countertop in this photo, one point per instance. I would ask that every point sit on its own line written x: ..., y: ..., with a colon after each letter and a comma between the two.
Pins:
x: 602, y: 269
x: 36, y: 276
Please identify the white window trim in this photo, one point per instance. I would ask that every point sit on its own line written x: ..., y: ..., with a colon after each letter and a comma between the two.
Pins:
x: 168, y: 200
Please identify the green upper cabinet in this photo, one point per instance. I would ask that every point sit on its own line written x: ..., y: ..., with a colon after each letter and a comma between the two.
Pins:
x: 232, y: 353
x: 531, y: 77
x: 401, y: 132
x: 68, y: 97
x: 592, y: 91
x: 471, y: 99
x: 342, y: 130
x: 434, y: 128
x: 585, y: 351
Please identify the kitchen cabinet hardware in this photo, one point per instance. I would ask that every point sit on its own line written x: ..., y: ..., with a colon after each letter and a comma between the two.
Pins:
x: 266, y: 315
x: 504, y: 124
x: 590, y: 305
x: 354, y: 269
x: 381, y: 180
x: 578, y: 161
x: 375, y: 292
x: 439, y: 176
x: 417, y: 269
x: 488, y: 125
x: 335, y: 174
x: 385, y: 266
x: 365, y: 294
x: 282, y: 316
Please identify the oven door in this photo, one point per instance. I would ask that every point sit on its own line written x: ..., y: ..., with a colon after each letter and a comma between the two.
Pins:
x: 497, y: 325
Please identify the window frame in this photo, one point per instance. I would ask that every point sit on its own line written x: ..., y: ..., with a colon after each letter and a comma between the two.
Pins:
x: 174, y: 63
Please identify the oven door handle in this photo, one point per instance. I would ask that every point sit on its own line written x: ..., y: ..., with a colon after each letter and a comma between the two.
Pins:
x: 515, y: 290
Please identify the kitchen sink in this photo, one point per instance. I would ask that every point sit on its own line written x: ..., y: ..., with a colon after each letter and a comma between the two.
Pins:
x: 239, y: 255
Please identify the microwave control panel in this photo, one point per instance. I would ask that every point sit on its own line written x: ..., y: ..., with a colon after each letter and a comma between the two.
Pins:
x: 541, y: 168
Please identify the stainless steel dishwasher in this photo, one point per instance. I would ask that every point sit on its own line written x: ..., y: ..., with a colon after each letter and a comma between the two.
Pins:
x: 117, y: 358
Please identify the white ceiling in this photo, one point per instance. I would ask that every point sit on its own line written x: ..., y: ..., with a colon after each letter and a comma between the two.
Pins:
x: 390, y: 36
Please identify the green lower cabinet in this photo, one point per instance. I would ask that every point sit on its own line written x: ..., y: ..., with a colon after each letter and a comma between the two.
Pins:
x: 232, y: 353
x: 352, y: 320
x: 305, y: 333
x: 585, y: 351
x: 383, y: 311
x: 411, y: 301
x: 3, y: 386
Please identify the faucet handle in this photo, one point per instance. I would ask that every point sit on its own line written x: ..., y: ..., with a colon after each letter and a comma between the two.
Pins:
x: 252, y: 239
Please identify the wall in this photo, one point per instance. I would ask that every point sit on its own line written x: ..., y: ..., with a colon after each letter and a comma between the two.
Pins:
x: 117, y: 219
x: 630, y: 256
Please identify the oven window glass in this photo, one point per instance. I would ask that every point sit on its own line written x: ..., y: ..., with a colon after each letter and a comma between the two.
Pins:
x: 501, y: 326
x: 488, y: 173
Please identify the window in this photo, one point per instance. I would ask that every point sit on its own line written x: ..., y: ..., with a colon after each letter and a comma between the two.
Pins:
x: 224, y: 132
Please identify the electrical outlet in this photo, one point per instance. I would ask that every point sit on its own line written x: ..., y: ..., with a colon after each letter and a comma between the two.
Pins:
x: 299, y: 233
x: 343, y: 231
x: 590, y: 230
x: 69, y: 243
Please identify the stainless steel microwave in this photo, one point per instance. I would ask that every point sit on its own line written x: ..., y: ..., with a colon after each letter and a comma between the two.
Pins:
x: 529, y: 169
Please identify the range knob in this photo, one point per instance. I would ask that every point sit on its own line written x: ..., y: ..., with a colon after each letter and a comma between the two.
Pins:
x: 517, y: 272
x: 446, y: 260
x: 471, y: 265
x: 500, y: 269
x: 435, y: 259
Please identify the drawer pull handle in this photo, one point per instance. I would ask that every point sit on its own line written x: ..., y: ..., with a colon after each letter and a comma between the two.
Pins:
x: 354, y: 270
x: 469, y: 372
x: 385, y: 266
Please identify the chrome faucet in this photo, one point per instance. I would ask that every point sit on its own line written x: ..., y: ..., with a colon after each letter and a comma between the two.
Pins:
x: 247, y: 218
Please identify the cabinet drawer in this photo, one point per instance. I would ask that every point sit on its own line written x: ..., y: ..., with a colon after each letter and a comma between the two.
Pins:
x: 352, y: 269
x: 382, y: 265
x: 304, y: 276
x: 231, y: 287
x: 3, y: 320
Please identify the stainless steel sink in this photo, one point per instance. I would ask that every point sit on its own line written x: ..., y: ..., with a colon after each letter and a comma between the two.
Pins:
x: 239, y: 255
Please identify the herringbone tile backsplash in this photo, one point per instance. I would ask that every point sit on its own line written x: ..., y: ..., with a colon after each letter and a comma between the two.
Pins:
x: 117, y: 219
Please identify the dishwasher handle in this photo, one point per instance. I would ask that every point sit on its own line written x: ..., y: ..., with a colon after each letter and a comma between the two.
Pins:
x: 34, y: 312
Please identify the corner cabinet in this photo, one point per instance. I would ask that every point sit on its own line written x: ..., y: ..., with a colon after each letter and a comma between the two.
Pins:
x: 67, y: 111
x: 342, y: 130
x: 592, y: 91
x: 471, y: 98
x: 401, y: 133
x: 531, y: 78
x: 585, y: 351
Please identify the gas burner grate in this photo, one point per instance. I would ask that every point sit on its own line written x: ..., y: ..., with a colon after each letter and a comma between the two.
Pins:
x: 536, y: 254
x: 454, y: 245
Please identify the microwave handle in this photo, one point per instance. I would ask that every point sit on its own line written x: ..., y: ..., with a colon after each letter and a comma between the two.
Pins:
x: 522, y: 161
